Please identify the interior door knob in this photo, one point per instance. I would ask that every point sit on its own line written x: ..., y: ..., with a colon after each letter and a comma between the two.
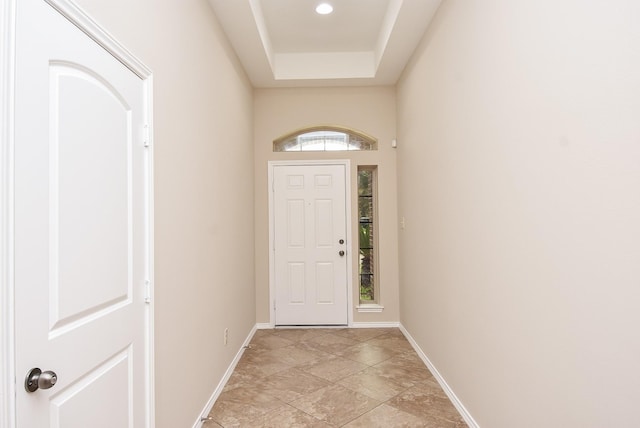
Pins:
x: 341, y: 252
x: 37, y: 379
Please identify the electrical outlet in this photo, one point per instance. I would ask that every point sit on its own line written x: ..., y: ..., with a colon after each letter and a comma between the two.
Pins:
x: 226, y: 336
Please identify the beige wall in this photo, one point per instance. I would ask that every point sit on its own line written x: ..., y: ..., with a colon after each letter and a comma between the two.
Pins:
x: 519, y: 177
x: 371, y: 110
x: 203, y: 195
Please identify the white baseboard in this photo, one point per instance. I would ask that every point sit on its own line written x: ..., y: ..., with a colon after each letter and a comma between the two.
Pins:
x: 264, y: 326
x: 308, y: 327
x: 216, y: 393
x: 374, y: 324
x: 268, y: 326
x: 445, y: 387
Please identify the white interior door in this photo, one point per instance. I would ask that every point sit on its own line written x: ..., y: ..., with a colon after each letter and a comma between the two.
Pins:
x: 310, y: 259
x: 80, y: 228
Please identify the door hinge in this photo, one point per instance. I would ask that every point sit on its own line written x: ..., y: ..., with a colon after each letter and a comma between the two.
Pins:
x: 274, y: 305
x: 146, y: 135
x: 147, y: 291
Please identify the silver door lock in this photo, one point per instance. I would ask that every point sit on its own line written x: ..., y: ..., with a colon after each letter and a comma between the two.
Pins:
x: 37, y: 379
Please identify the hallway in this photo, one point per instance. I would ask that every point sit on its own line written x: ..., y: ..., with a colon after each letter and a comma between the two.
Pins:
x: 507, y: 197
x: 332, y: 378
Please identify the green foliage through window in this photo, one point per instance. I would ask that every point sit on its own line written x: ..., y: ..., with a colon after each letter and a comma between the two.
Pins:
x: 367, y: 230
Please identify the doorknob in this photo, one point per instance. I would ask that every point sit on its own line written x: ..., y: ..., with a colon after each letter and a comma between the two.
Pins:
x: 341, y: 252
x: 341, y: 241
x: 37, y: 379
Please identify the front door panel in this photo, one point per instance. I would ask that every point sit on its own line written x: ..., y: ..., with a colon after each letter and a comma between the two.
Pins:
x: 309, y: 223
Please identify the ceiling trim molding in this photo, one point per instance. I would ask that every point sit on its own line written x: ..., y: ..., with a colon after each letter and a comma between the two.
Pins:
x: 261, y: 26
x: 390, y: 19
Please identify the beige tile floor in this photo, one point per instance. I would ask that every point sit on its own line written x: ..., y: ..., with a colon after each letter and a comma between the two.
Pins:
x: 332, y: 378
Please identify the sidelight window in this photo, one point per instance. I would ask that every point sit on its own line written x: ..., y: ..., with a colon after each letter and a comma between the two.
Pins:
x: 367, y: 231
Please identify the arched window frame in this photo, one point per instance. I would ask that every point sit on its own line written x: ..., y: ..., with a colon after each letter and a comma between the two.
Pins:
x: 357, y: 140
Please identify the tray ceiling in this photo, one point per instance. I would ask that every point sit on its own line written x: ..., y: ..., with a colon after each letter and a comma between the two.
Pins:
x: 286, y: 43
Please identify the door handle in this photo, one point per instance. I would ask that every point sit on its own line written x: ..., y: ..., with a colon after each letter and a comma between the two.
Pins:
x: 37, y: 379
x: 341, y: 252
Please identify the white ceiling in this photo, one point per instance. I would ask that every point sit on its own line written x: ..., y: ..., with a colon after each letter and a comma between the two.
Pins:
x: 286, y: 43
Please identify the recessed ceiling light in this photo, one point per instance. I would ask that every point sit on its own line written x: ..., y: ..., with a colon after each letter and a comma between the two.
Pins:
x: 324, y: 9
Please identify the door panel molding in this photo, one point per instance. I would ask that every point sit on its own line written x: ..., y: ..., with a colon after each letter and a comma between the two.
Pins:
x: 270, y: 190
x: 9, y: 379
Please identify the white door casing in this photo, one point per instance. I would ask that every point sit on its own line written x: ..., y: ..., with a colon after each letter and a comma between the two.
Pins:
x: 309, y: 230
x: 81, y: 234
x: 7, y: 384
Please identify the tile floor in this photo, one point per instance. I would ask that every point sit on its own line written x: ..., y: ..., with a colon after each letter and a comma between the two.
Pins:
x: 332, y: 378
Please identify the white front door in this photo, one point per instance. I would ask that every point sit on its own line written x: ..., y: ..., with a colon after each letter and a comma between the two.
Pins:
x: 81, y: 226
x: 310, y: 260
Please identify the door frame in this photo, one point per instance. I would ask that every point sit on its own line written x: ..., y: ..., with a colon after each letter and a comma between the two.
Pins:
x: 9, y: 379
x: 272, y: 271
x: 7, y: 90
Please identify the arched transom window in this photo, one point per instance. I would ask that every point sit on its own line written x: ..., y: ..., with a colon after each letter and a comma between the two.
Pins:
x: 325, y: 139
